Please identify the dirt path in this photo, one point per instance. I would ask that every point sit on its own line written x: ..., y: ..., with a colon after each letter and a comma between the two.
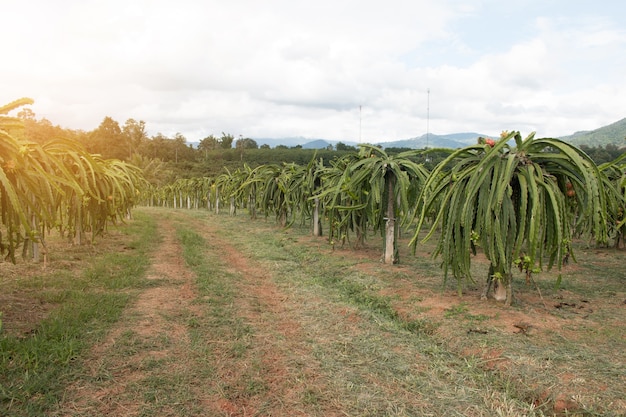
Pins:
x: 152, y: 331
x: 148, y: 354
x: 277, y: 370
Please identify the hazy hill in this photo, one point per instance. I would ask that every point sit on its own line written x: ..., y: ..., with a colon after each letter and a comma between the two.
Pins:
x: 317, y: 144
x: 614, y: 134
x: 453, y: 140
x: 290, y: 142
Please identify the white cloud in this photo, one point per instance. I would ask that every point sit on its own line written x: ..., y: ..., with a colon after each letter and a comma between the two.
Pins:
x: 300, y: 68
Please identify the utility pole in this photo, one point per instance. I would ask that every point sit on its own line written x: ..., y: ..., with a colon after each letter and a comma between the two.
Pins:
x: 360, y: 120
x: 427, y: 117
x: 427, y: 121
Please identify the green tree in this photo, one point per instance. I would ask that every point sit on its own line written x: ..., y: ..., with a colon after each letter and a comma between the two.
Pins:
x: 209, y: 143
x: 134, y: 133
x: 248, y: 188
x: 57, y: 184
x: 107, y: 140
x: 246, y: 143
x: 343, y: 147
x: 345, y: 210
x: 614, y: 176
x: 226, y: 141
x: 380, y: 187
x: 513, y: 202
x: 275, y: 197
x: 179, y: 145
x: 227, y: 186
x: 307, y: 187
x: 242, y: 144
x: 157, y: 147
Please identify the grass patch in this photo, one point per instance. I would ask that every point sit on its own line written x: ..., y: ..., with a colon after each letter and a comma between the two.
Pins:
x: 35, y: 367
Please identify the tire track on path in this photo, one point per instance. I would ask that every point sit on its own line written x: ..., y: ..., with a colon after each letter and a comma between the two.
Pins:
x: 277, y: 357
x: 151, y: 335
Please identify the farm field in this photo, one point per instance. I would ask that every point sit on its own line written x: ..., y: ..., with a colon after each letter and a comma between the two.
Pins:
x: 188, y: 313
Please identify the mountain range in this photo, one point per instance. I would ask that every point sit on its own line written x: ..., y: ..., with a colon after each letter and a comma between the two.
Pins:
x: 453, y: 140
x: 613, y: 134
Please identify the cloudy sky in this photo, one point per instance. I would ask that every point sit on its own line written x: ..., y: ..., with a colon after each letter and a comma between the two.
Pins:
x: 335, y: 69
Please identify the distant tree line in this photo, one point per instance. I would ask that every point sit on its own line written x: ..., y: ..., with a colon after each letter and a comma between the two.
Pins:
x: 601, y: 155
x: 168, y: 158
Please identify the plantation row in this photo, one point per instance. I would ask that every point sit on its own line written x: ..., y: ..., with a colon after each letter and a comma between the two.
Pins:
x: 56, y: 185
x: 522, y: 201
